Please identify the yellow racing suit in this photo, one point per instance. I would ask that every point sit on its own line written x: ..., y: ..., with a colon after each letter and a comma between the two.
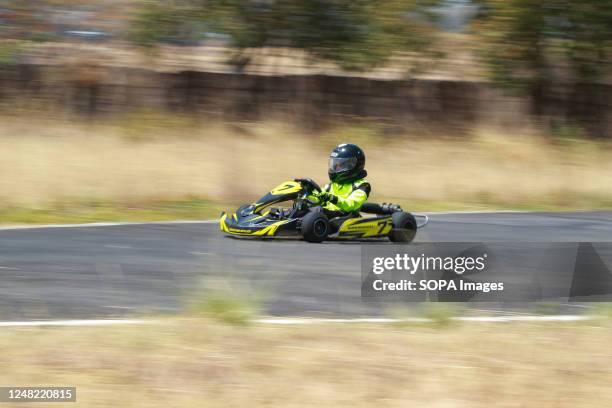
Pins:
x: 344, y: 197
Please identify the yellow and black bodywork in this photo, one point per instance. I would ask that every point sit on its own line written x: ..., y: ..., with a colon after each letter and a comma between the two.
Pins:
x: 255, y: 220
x: 260, y: 219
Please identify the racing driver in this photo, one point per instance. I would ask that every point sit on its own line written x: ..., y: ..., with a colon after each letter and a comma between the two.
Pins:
x: 348, y: 189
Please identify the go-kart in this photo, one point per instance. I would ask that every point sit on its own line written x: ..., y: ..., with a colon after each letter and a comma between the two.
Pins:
x: 309, y: 220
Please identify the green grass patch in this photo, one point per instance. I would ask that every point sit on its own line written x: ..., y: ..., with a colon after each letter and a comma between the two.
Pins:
x: 226, y: 304
x: 603, y: 310
x: 548, y: 308
x: 441, y: 315
x: 84, y: 212
x: 434, y: 314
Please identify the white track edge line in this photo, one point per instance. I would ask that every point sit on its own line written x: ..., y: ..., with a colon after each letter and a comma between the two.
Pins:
x: 484, y: 319
x: 477, y: 212
x: 82, y: 322
x: 104, y: 224
x: 295, y: 321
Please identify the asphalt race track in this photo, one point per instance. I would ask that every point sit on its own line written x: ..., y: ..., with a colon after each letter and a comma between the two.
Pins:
x: 127, y: 270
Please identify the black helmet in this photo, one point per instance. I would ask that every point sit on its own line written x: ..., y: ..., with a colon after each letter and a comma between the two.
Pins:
x: 346, y: 163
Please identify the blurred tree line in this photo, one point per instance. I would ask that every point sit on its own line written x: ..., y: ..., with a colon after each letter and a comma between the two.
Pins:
x: 531, y: 42
x: 539, y: 47
x: 527, y: 44
x: 530, y: 45
x: 20, y: 21
x: 547, y: 46
x: 355, y: 34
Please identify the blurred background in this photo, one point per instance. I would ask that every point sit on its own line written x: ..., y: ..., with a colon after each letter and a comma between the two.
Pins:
x: 178, y: 108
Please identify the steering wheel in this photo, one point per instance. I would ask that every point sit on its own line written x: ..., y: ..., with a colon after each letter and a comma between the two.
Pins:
x: 309, y: 184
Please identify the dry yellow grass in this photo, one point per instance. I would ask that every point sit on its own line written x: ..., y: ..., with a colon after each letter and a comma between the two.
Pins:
x: 147, y: 158
x: 185, y: 363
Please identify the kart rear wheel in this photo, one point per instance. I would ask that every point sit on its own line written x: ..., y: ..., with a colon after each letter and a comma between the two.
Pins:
x: 315, y: 227
x: 404, y: 227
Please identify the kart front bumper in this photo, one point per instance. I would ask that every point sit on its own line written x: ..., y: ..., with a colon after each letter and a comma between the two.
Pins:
x: 231, y: 224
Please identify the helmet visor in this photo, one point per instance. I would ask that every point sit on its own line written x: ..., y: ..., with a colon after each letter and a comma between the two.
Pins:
x: 340, y: 164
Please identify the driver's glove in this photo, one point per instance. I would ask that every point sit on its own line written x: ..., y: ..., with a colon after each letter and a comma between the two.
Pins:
x: 311, y: 185
x: 315, y: 198
x: 326, y: 196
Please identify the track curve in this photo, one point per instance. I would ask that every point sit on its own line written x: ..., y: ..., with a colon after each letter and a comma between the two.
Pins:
x: 118, y: 270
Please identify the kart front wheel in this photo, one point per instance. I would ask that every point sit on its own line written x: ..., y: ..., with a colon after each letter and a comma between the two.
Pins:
x: 315, y: 227
x: 404, y: 227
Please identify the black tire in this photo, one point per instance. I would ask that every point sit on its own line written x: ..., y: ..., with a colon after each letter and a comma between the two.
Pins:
x: 315, y: 227
x: 404, y: 227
